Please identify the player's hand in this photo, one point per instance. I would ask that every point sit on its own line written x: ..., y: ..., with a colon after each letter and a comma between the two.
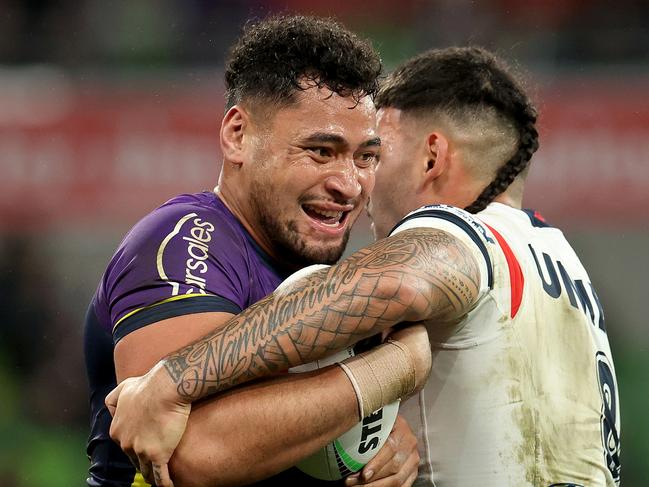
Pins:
x: 148, y: 421
x: 396, y: 463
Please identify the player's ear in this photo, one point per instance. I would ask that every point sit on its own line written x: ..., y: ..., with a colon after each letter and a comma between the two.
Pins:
x: 436, y: 157
x: 233, y: 127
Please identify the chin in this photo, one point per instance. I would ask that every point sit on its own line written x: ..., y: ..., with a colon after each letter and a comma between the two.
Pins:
x: 320, y: 251
x: 317, y: 254
x: 298, y: 248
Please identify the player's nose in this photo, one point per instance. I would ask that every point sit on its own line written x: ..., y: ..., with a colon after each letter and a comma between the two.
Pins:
x: 344, y: 182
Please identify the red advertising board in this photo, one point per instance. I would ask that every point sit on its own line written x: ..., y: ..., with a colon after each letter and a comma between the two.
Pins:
x: 593, y: 165
x: 97, y: 154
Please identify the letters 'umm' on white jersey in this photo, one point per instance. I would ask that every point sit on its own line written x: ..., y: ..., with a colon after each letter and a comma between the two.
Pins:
x: 522, y: 390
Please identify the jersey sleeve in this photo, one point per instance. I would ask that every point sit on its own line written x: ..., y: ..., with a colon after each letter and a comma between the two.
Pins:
x: 462, y: 225
x: 178, y: 260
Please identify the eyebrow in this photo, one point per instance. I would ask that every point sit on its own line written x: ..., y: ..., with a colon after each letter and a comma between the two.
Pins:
x: 376, y: 141
x: 327, y: 138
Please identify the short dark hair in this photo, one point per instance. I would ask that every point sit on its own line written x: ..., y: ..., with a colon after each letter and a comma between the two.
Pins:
x: 458, y: 78
x: 273, y: 56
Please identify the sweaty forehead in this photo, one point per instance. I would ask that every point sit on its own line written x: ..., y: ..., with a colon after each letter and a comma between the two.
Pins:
x: 321, y: 110
x: 394, y: 123
x: 322, y: 98
x: 390, y: 117
x: 389, y: 123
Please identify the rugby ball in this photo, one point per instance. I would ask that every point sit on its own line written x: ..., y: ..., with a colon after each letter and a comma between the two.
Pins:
x: 352, y: 450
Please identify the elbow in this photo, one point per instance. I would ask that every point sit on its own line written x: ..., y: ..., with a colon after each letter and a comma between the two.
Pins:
x: 409, y: 293
x: 182, y: 471
x: 218, y: 466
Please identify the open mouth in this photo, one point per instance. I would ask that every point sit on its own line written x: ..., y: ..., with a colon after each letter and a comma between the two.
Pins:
x: 328, y: 218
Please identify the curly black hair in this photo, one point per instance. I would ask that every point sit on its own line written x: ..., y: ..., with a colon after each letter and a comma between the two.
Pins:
x: 458, y: 78
x: 273, y: 57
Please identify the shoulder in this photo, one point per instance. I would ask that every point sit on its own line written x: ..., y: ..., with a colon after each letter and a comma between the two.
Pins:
x: 186, y: 228
x: 459, y: 223
x: 186, y: 217
x: 190, y: 246
x: 445, y: 217
x: 536, y: 219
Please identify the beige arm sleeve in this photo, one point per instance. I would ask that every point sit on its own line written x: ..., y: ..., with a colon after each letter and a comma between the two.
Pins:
x: 381, y: 376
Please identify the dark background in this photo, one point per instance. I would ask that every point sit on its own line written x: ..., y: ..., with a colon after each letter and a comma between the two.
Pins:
x: 107, y: 109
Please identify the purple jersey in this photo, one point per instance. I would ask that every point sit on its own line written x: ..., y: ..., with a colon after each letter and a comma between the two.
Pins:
x: 190, y: 255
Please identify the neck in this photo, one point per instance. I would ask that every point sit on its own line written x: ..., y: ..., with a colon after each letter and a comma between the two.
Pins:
x: 230, y: 200
x: 462, y: 200
x: 508, y: 200
x: 513, y: 195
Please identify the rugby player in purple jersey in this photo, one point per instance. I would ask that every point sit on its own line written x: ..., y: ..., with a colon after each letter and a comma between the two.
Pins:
x: 299, y: 144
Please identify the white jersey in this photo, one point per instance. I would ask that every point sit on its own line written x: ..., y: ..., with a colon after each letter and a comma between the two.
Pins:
x: 522, y: 390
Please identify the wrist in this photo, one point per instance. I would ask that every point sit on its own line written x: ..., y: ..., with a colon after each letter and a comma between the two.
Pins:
x: 381, y: 376
x: 393, y: 370
x: 167, y: 385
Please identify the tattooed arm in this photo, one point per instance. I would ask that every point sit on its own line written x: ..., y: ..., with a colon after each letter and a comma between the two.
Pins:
x: 420, y: 274
x: 280, y: 421
x: 417, y: 275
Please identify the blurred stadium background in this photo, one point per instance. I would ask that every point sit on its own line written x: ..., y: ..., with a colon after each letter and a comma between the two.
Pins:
x: 107, y: 109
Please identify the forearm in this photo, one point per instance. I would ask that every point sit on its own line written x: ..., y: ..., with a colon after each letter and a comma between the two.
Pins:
x: 254, y: 432
x: 283, y: 330
x: 417, y: 275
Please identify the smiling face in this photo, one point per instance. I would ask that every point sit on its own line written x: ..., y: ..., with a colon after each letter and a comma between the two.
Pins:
x: 310, y: 174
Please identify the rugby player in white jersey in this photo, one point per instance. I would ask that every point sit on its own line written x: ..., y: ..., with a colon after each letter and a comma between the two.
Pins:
x: 523, y: 389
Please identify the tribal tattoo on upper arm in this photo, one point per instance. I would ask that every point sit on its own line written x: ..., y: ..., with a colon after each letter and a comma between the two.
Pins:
x: 418, y: 274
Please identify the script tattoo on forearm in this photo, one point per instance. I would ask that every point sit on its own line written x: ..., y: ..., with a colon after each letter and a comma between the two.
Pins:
x: 418, y: 274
